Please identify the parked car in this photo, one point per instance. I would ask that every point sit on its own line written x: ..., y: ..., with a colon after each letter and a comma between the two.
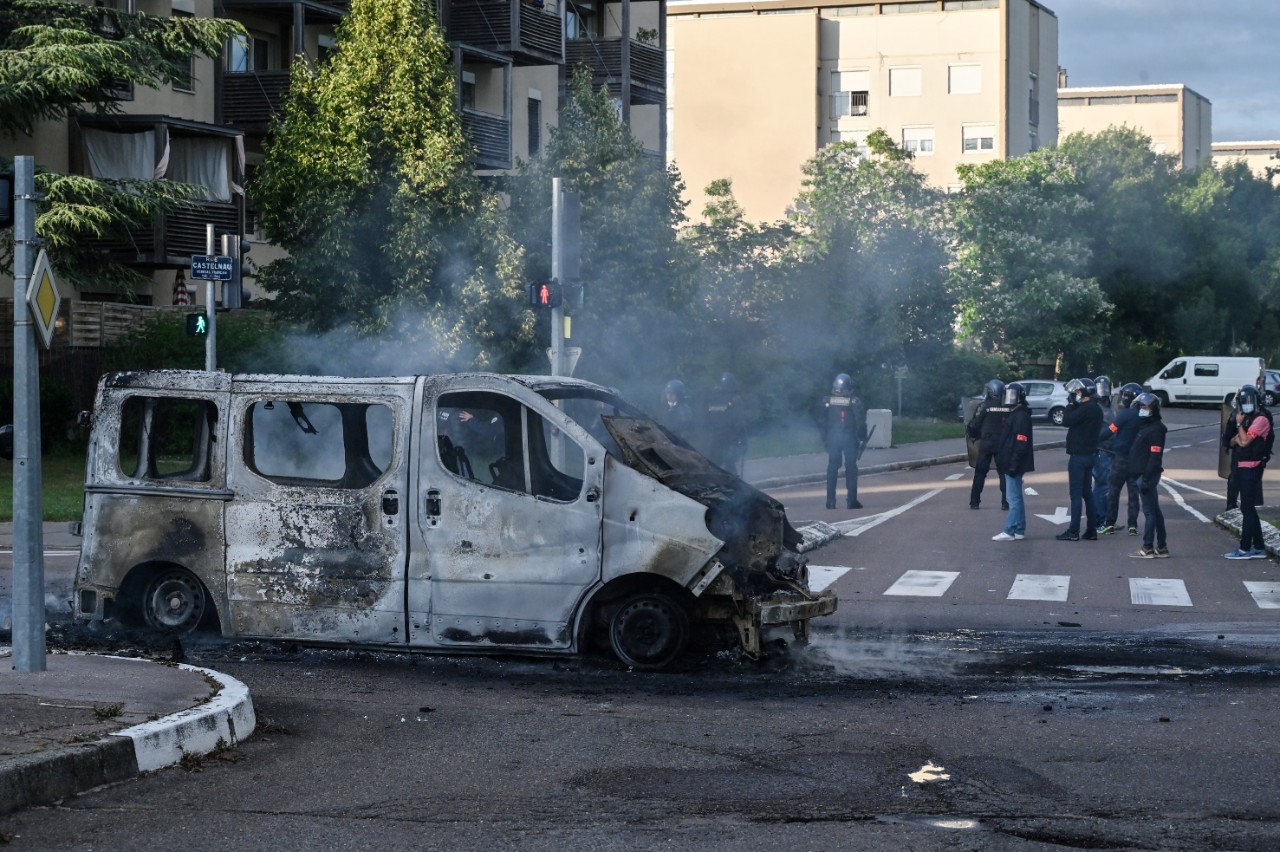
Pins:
x: 1048, y: 400
x: 1271, y: 388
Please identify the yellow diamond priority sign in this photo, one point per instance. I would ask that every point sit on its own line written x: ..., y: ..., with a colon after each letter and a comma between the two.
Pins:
x: 43, y: 298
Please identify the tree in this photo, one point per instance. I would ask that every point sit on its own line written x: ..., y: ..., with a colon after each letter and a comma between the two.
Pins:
x: 60, y: 60
x: 868, y: 286
x: 367, y: 184
x: 634, y: 328
x: 737, y: 286
x: 1022, y: 257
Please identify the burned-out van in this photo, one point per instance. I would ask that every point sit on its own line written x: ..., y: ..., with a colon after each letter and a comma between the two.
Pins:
x: 459, y: 513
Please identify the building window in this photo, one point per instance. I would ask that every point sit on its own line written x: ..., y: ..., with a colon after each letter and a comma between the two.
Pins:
x: 468, y: 90
x: 185, y: 81
x: 966, y: 5
x: 1157, y: 99
x: 918, y: 141
x: 857, y: 137
x: 535, y: 123
x: 1034, y: 141
x: 964, y: 79
x: 906, y: 8
x: 847, y: 11
x: 326, y: 47
x: 849, y: 91
x: 904, y: 82
x: 248, y: 53
x: 979, y: 138
x: 580, y: 19
x: 1070, y: 102
x: 1111, y: 100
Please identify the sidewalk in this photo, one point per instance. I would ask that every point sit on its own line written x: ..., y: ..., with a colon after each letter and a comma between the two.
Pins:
x: 89, y: 720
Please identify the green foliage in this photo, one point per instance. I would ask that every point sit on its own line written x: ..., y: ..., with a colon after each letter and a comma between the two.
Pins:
x: 367, y: 184
x: 633, y: 329
x: 247, y: 341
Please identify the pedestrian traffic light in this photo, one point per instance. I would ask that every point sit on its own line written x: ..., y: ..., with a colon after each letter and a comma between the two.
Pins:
x: 197, y: 325
x: 545, y: 294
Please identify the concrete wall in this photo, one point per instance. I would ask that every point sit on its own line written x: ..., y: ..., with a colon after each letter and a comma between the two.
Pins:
x: 1178, y: 119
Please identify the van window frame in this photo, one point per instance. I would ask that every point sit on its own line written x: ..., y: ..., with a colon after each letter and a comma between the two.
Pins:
x: 204, y: 467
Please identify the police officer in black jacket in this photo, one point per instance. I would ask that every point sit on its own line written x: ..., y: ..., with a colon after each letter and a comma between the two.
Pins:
x: 1083, y: 419
x: 985, y: 428
x: 1146, y: 463
x: 845, y: 433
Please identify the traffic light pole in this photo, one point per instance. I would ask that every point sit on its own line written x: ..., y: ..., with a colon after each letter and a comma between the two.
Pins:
x: 28, y: 506
x: 557, y: 270
x: 211, y: 308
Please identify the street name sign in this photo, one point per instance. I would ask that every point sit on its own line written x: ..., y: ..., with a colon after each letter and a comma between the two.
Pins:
x: 211, y: 267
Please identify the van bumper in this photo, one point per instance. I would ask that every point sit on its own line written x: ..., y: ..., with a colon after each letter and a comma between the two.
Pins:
x: 789, y: 607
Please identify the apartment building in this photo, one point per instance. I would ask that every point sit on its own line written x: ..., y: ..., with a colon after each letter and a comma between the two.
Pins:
x: 755, y: 89
x: 1178, y: 119
x: 512, y: 60
x: 1258, y: 156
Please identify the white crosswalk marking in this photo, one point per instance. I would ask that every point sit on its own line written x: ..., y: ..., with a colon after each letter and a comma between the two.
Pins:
x: 822, y: 576
x: 923, y: 584
x: 1040, y: 587
x: 953, y: 477
x: 1152, y: 592
x: 1267, y: 595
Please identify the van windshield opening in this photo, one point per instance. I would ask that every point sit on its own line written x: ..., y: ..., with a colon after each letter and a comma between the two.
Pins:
x: 589, y: 408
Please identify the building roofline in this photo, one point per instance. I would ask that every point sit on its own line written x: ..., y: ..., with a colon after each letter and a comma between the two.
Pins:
x: 698, y: 7
x: 1248, y: 143
x: 1078, y: 91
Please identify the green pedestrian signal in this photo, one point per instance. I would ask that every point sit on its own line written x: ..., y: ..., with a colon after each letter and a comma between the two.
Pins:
x: 197, y: 325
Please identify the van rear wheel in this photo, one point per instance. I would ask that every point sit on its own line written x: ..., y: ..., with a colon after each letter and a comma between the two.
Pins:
x: 174, y: 600
x: 649, y: 631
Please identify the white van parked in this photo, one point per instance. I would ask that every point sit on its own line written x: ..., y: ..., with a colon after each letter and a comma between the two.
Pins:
x: 467, y: 512
x: 1210, y: 379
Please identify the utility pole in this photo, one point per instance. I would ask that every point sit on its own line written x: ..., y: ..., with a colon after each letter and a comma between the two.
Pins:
x: 28, y: 505
x: 557, y: 272
x: 211, y: 308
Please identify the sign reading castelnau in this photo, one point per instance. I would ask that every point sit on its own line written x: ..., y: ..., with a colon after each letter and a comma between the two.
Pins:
x: 211, y: 267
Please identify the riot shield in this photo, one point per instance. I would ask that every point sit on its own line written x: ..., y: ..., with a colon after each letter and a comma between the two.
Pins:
x: 1224, y: 453
x: 971, y: 444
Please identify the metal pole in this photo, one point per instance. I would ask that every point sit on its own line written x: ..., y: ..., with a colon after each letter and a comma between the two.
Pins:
x: 28, y: 506
x: 557, y: 269
x: 211, y: 309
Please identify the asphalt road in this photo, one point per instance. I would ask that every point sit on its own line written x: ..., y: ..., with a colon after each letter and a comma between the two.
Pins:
x: 960, y: 719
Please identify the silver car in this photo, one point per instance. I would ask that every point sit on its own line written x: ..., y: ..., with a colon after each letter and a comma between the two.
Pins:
x: 1048, y: 400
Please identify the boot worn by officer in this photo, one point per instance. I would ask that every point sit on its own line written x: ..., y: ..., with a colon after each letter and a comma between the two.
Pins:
x: 1068, y: 536
x: 853, y: 504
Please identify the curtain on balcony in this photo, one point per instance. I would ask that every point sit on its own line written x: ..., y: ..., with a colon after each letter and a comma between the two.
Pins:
x: 203, y: 162
x: 117, y: 156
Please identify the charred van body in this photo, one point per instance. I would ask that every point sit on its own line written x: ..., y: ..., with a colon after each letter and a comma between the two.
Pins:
x: 468, y: 512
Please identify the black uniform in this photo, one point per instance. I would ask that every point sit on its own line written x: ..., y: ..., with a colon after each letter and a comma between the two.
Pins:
x: 726, y: 438
x: 1146, y: 463
x: 677, y: 418
x: 985, y: 428
x: 845, y: 433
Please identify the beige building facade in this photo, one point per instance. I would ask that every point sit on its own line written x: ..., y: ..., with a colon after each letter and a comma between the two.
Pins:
x: 755, y: 89
x: 1258, y: 156
x: 1178, y: 119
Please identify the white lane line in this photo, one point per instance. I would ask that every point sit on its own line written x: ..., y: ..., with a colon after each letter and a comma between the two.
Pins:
x: 1267, y: 595
x: 1177, y: 498
x: 953, y: 477
x: 1177, y: 447
x: 923, y: 584
x: 1040, y: 587
x: 1146, y: 591
x: 883, y: 516
x: 1187, y: 487
x: 822, y: 576
x: 1211, y: 441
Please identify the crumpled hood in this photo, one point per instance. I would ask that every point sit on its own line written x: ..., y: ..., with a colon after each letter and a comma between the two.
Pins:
x: 760, y: 543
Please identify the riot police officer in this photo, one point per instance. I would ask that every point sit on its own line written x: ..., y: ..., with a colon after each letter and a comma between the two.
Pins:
x: 985, y: 428
x: 1250, y: 444
x: 1124, y: 429
x: 676, y: 415
x: 726, y: 438
x: 844, y: 434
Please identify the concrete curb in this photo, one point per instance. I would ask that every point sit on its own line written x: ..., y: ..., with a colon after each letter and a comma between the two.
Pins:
x: 55, y: 774
x: 1231, y: 520
x: 221, y: 723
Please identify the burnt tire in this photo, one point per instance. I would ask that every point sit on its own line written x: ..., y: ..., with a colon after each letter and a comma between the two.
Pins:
x: 174, y: 601
x: 649, y: 631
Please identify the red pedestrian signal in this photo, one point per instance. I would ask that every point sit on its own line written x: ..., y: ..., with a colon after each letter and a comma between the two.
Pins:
x: 545, y: 294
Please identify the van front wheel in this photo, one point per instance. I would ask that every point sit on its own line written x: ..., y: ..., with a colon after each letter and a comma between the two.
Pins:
x: 649, y: 631
x: 174, y: 601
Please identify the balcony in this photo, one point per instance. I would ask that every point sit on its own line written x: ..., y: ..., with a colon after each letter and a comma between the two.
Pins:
x: 520, y: 29
x: 490, y: 135
x: 250, y: 100
x: 647, y: 82
x: 174, y: 237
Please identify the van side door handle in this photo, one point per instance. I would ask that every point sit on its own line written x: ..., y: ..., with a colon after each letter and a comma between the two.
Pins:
x: 390, y: 502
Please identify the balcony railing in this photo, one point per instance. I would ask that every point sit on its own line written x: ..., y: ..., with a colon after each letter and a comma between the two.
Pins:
x: 174, y: 236
x: 604, y: 57
x: 250, y: 100
x: 530, y: 35
x: 490, y: 135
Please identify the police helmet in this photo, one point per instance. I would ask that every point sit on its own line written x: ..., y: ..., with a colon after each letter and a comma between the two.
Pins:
x: 728, y: 383
x: 1146, y: 399
x: 994, y: 391
x: 675, y: 387
x: 842, y: 386
x: 1247, y: 399
x: 1015, y: 394
x: 1129, y: 392
x: 1104, y: 386
x: 1084, y: 386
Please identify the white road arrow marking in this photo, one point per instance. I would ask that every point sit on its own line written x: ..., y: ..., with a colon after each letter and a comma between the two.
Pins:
x: 1177, y: 498
x: 857, y: 526
x: 822, y: 576
x: 1062, y: 516
x: 1031, y: 492
x: 953, y: 477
